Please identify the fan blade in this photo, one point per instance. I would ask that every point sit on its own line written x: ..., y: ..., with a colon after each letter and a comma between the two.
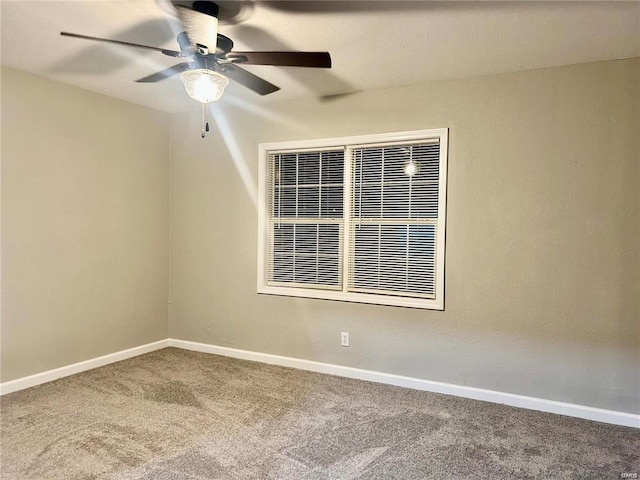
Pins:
x: 185, y: 44
x: 170, y: 53
x: 162, y: 74
x: 200, y: 23
x: 284, y: 59
x: 248, y: 79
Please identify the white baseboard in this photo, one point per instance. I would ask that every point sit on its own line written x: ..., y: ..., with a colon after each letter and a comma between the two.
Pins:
x: 532, y: 403
x: 50, y: 375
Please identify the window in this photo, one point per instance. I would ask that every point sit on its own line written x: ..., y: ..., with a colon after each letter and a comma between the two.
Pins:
x: 357, y: 219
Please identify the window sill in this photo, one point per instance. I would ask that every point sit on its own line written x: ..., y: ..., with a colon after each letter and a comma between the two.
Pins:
x: 394, y: 301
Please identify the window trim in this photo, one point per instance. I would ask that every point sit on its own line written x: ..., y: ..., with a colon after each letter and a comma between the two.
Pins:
x: 264, y: 149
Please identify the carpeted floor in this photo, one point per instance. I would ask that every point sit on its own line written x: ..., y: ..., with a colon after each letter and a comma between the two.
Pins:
x: 175, y: 414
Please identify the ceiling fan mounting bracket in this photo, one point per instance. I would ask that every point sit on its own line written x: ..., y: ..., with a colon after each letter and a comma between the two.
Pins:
x: 206, y: 7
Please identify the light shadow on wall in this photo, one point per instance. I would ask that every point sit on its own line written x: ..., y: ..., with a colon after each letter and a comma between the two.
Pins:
x: 236, y: 154
x: 230, y: 138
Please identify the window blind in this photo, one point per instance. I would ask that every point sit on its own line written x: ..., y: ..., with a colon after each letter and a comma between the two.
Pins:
x: 305, y: 220
x: 357, y: 219
x: 393, y: 219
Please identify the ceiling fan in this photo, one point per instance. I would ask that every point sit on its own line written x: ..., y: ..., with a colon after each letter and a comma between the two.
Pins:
x: 210, y: 60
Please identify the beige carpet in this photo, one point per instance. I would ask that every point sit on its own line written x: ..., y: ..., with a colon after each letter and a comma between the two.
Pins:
x: 174, y: 414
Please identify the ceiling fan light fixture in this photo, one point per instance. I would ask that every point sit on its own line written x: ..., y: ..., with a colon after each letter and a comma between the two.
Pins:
x: 204, y: 85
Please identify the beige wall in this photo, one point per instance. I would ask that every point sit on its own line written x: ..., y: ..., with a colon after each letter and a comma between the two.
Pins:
x: 543, y: 240
x: 543, y: 249
x: 84, y: 225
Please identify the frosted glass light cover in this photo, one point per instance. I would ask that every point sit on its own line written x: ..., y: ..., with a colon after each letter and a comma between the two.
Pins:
x: 204, y: 85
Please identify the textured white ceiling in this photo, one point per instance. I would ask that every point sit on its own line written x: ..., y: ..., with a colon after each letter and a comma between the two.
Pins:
x: 374, y: 44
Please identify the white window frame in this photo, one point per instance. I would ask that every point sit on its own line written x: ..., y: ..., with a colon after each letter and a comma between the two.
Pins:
x: 437, y: 303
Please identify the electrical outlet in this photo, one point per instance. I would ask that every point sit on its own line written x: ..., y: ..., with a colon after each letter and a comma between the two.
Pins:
x: 344, y: 339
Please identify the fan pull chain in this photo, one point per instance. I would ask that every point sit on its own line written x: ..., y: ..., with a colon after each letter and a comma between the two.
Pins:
x: 205, y: 123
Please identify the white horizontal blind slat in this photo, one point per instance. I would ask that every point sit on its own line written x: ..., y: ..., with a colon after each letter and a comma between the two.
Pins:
x: 393, y: 223
x: 305, y: 218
